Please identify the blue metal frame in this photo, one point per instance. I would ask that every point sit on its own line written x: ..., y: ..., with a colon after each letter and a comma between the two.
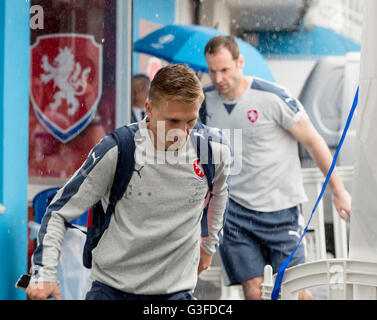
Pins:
x: 14, y: 108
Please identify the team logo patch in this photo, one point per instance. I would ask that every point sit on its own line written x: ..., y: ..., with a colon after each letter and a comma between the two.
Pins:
x: 66, y: 82
x: 199, y: 173
x: 252, y: 115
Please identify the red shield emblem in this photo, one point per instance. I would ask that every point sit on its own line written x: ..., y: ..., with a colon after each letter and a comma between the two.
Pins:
x: 199, y: 173
x: 66, y: 82
x: 252, y: 115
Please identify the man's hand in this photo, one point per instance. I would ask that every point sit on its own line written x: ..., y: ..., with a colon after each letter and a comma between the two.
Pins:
x: 205, y: 261
x: 342, y: 202
x: 43, y: 290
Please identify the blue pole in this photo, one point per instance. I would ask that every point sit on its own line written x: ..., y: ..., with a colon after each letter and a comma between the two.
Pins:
x: 14, y: 108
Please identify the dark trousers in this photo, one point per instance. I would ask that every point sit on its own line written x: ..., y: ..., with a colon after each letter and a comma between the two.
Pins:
x: 100, y: 291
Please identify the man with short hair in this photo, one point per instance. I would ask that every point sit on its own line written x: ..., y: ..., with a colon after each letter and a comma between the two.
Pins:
x: 140, y: 90
x: 152, y: 248
x: 264, y: 221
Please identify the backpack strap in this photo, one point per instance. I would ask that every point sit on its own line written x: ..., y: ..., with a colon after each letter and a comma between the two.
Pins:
x: 201, y: 140
x: 203, y: 109
x: 201, y: 136
x: 124, y: 137
x: 203, y: 112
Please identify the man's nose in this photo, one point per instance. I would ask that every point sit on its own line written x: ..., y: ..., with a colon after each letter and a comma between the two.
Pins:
x: 180, y: 130
x: 218, y: 77
x: 183, y: 128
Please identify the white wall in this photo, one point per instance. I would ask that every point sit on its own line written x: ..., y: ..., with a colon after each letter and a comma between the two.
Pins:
x: 215, y: 13
x: 183, y: 12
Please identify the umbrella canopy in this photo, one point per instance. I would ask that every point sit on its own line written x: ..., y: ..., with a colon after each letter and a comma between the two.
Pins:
x: 186, y: 43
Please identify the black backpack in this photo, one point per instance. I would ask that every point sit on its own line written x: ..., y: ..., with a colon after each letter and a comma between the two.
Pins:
x: 98, y: 220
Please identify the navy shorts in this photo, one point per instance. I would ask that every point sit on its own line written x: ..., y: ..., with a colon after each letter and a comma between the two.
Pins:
x: 101, y: 291
x: 252, y: 239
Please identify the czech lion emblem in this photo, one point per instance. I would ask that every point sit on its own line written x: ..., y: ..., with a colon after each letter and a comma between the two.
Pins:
x: 66, y: 82
x: 67, y: 76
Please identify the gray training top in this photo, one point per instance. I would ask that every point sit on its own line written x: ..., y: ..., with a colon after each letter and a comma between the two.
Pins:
x: 266, y: 173
x: 152, y: 243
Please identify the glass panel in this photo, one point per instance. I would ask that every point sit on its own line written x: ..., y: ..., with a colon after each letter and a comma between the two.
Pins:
x: 72, y: 96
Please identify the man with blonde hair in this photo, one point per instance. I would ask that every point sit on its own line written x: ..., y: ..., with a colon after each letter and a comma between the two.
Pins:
x: 152, y: 248
x: 264, y: 221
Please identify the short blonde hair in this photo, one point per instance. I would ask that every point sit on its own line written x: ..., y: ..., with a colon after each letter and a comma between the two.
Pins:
x: 176, y: 82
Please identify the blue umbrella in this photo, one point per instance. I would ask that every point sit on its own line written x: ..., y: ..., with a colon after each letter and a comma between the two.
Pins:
x: 186, y: 43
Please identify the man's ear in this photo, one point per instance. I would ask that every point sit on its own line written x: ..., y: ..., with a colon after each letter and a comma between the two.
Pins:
x: 241, y: 61
x: 148, y: 108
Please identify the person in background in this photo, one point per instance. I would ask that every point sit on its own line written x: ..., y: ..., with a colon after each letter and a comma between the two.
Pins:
x: 140, y: 91
x: 264, y: 221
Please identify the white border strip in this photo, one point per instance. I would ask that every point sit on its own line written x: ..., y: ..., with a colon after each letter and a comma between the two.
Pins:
x: 123, y: 62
